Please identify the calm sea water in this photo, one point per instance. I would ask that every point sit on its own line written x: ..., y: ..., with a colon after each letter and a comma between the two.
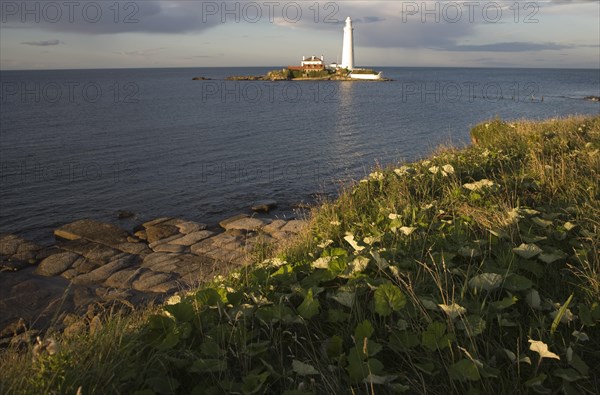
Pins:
x: 86, y: 143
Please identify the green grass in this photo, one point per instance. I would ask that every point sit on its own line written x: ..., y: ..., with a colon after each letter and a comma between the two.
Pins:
x: 475, y: 271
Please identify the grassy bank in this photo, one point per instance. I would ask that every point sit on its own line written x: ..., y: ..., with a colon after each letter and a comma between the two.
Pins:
x: 475, y: 271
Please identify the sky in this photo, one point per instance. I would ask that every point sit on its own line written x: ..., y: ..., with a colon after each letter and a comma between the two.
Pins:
x: 68, y: 34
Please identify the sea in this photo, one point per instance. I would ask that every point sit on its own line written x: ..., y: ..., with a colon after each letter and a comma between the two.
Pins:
x: 154, y: 142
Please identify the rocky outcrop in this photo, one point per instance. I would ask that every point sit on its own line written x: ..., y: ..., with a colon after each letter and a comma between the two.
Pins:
x: 96, y: 265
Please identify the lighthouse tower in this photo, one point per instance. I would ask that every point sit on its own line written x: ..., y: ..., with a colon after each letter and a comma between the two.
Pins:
x: 348, y: 48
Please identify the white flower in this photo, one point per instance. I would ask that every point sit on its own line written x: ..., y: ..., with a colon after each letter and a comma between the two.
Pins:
x: 175, y: 299
x: 393, y: 216
x: 376, y: 175
x: 434, y: 169
x: 448, y: 169
x: 404, y: 170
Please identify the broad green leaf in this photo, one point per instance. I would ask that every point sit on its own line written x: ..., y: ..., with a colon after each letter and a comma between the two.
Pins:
x: 473, y: 324
x: 183, y: 312
x: 516, y: 282
x: 344, y: 298
x: 309, y: 307
x: 252, y: 383
x: 163, y: 384
x: 542, y: 349
x: 303, y: 369
x: 575, y: 361
x: 160, y: 322
x: 388, y: 298
x: 469, y: 252
x: 551, y: 257
x: 357, y: 370
x: 336, y: 315
x: 542, y: 223
x: 333, y: 346
x: 208, y: 366
x: 536, y: 381
x: 209, y: 297
x: 486, y: 281
x: 527, y: 251
x: 435, y: 336
x: 170, y: 341
x: 382, y: 264
x: 464, y: 370
x: 568, y: 374
x: 504, y: 303
x: 363, y: 330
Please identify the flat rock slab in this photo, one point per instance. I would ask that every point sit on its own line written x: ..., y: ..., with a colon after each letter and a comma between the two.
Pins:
x: 188, y: 227
x: 167, y: 247
x: 192, y: 238
x: 16, y: 248
x: 224, y: 223
x: 102, y: 273
x: 155, y: 233
x: 98, y: 232
x: 95, y: 252
x: 247, y: 224
x: 56, y: 264
x: 122, y: 279
x: 294, y: 226
x: 274, y: 226
x: 150, y: 279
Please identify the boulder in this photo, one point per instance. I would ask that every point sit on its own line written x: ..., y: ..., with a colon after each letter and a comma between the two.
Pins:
x: 98, y: 232
x: 166, y: 247
x: 264, y: 205
x: 192, y: 238
x: 56, y: 264
x: 246, y: 224
x: 274, y: 226
x: 155, y: 233
x: 100, y: 274
x: 224, y: 223
x: 295, y: 226
x: 190, y: 227
x: 150, y: 279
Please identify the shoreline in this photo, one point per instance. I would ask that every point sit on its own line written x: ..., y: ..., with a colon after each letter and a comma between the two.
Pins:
x: 96, y: 266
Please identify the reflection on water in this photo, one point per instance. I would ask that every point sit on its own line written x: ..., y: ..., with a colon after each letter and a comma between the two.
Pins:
x: 204, y: 150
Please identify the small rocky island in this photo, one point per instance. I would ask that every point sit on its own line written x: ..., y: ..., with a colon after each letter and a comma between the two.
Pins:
x: 296, y: 74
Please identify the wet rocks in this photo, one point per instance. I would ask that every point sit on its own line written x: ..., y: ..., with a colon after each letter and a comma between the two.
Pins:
x: 246, y: 224
x: 264, y: 205
x: 100, y: 264
x: 56, y: 264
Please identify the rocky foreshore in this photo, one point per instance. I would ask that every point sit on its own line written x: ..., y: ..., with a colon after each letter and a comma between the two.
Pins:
x: 94, y: 267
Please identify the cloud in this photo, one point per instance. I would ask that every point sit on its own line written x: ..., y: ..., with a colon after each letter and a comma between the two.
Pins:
x: 143, y: 52
x: 45, y: 43
x: 507, y: 47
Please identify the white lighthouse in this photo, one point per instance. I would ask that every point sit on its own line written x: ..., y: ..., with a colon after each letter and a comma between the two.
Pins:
x: 348, y: 48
